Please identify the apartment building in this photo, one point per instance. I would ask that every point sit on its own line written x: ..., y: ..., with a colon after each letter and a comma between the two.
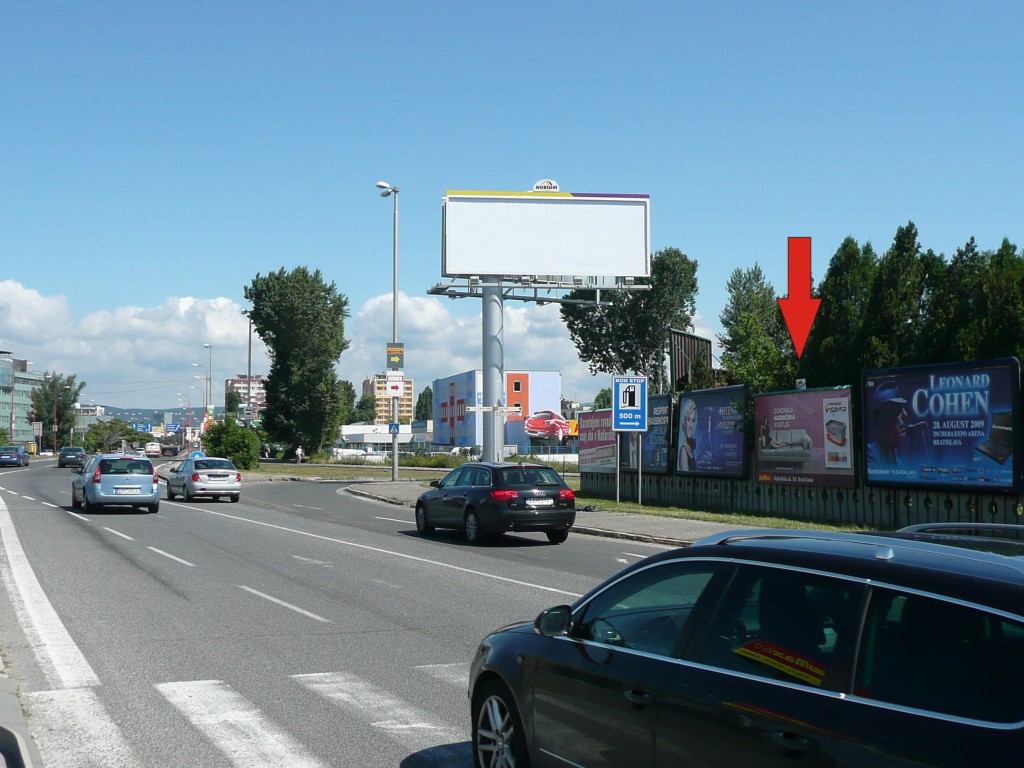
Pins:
x: 377, y: 387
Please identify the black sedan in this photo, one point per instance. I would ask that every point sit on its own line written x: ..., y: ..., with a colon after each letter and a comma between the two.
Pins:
x: 769, y: 648
x: 483, y: 498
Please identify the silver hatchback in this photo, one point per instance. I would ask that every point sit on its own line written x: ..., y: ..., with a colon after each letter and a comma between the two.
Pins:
x: 206, y: 476
x: 115, y: 479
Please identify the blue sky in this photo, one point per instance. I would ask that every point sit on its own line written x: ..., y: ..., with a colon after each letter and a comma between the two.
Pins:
x: 155, y: 157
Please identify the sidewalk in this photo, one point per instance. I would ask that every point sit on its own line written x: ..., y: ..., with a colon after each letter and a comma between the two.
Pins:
x: 594, y: 522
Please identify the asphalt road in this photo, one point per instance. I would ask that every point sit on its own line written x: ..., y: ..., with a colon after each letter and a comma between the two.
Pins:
x: 302, y: 626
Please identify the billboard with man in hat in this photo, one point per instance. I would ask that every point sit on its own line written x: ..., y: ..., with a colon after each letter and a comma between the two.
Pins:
x: 954, y: 425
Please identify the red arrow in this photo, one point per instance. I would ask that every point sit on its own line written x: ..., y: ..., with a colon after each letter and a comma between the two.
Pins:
x: 799, y: 309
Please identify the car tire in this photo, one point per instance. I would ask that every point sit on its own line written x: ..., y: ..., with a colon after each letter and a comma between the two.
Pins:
x: 497, y: 727
x: 186, y: 494
x: 153, y: 508
x: 170, y: 493
x: 235, y: 497
x: 75, y: 503
x: 471, y: 528
x: 89, y: 507
x: 557, y: 537
x: 423, y: 526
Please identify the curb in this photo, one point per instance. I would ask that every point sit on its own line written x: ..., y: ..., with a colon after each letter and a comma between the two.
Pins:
x: 16, y: 745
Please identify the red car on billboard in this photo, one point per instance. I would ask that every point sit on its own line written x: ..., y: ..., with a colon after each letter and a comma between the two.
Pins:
x: 547, y: 425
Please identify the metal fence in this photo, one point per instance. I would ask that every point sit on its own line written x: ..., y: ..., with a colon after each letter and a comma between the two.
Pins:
x: 882, y: 508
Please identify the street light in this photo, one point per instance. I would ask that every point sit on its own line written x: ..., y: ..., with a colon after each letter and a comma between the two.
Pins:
x: 206, y: 380
x: 386, y: 191
x: 209, y: 380
x: 8, y: 352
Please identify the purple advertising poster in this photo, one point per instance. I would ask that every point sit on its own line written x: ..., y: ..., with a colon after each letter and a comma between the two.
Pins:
x: 805, y: 437
x: 710, y: 440
x: 653, y: 447
x: 954, y: 425
x: 597, y: 442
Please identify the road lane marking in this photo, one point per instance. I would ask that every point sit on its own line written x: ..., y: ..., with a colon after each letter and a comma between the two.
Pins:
x: 28, y: 497
x: 72, y: 728
x: 80, y: 517
x: 379, y: 550
x: 311, y: 561
x: 457, y: 674
x: 172, y: 557
x: 302, y: 506
x: 393, y: 520
x: 235, y: 726
x: 48, y: 504
x: 56, y: 653
x: 400, y: 720
x: 283, y: 604
x: 118, y: 533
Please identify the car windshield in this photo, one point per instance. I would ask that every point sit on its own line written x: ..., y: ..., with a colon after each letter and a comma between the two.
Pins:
x: 125, y: 466
x: 214, y: 464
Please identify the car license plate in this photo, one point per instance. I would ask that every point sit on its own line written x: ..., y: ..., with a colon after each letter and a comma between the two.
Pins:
x: 540, y: 502
x: 216, y: 478
x: 127, y: 491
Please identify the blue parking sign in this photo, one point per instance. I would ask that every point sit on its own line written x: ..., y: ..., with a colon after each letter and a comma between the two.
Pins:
x: 629, y: 403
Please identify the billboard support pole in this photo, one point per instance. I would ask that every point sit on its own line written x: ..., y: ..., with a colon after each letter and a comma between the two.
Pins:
x: 639, y: 468
x: 493, y: 373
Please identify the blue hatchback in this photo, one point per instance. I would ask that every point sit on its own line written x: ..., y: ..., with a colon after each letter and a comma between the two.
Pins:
x: 116, y: 479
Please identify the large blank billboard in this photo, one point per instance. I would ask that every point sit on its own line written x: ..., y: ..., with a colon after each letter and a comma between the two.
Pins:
x: 545, y: 233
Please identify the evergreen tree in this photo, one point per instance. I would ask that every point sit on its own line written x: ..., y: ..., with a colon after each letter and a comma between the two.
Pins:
x: 366, y: 410
x: 757, y: 348
x: 425, y: 405
x: 830, y: 357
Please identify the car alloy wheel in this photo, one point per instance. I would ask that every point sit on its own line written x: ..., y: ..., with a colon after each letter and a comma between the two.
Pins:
x: 423, y: 526
x: 472, y: 527
x: 497, y: 729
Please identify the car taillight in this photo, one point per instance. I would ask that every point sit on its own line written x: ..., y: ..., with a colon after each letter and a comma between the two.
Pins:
x: 156, y: 478
x: 96, y: 475
x: 566, y: 494
x: 504, y: 495
x: 238, y: 477
x: 195, y: 477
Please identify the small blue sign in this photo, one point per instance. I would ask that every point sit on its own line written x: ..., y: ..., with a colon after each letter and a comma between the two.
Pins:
x: 197, y: 455
x: 392, y: 429
x: 629, y: 403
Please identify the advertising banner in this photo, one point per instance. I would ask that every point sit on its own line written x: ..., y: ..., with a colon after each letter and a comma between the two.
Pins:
x: 710, y: 438
x: 654, y: 449
x: 951, y: 425
x: 805, y: 437
x: 597, y: 442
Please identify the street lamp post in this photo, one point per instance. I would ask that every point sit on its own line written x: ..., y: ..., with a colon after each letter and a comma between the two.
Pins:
x: 8, y: 352
x: 386, y: 191
x: 209, y: 381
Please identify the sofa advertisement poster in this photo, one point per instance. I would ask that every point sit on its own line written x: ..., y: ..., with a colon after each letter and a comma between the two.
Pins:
x: 954, y: 425
x: 653, y: 447
x: 710, y: 438
x: 597, y: 442
x: 805, y: 437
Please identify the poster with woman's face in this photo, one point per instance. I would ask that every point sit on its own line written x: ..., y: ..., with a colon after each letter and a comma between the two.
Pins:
x: 710, y: 437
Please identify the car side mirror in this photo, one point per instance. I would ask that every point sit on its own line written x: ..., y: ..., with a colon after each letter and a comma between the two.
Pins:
x: 554, y: 622
x: 435, y: 483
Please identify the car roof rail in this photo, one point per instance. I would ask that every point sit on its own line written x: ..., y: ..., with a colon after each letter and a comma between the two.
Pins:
x: 970, y: 529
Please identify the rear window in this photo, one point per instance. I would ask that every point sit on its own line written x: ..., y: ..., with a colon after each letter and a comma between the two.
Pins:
x: 530, y: 477
x: 214, y: 464
x: 125, y: 466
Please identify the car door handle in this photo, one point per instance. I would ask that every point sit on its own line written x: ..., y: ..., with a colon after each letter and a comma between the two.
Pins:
x: 639, y: 698
x: 793, y: 741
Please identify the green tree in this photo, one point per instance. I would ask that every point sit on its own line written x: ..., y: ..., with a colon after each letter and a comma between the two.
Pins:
x: 1003, y: 291
x: 347, y: 401
x: 232, y: 402
x: 894, y: 313
x: 830, y: 357
x: 241, y: 446
x: 54, y: 402
x: 603, y: 399
x: 425, y: 405
x: 630, y: 331
x: 301, y: 319
x: 366, y: 410
x: 106, y: 436
x: 756, y: 346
